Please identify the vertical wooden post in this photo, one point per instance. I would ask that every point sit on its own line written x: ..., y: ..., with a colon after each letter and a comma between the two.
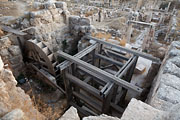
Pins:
x: 128, y: 79
x: 107, y: 101
x: 129, y: 32
x: 67, y: 87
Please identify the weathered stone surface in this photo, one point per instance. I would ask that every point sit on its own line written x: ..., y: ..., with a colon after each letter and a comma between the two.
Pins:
x: 14, y: 50
x: 4, y: 42
x: 70, y: 114
x: 61, y: 5
x: 138, y: 110
x: 174, y: 113
x: 1, y: 64
x: 12, y: 97
x: 16, y: 114
x: 174, y: 52
x: 175, y: 60
x: 101, y: 117
x: 49, y: 5
x: 168, y: 93
x: 171, y: 68
x: 170, y: 80
x: 165, y: 90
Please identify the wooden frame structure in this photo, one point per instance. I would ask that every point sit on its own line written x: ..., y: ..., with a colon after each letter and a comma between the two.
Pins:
x: 90, y: 87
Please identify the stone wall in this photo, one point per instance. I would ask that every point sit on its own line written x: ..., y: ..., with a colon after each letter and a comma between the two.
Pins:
x: 50, y: 23
x: 165, y: 91
x: 14, y: 103
x: 11, y: 55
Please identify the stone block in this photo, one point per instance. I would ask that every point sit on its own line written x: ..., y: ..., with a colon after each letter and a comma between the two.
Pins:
x: 138, y: 110
x: 101, y: 117
x: 49, y: 5
x: 70, y: 114
x: 61, y: 5
x: 16, y: 114
x: 1, y: 64
x: 175, y: 60
x: 84, y: 21
x: 14, y: 50
x: 168, y: 93
x: 5, y: 42
x: 171, y: 68
x: 37, y: 5
x: 170, y: 80
x: 160, y: 104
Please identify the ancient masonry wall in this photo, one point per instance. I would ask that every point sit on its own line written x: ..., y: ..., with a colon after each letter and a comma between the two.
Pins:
x: 11, y: 55
x: 14, y: 103
x: 165, y: 91
x: 50, y: 23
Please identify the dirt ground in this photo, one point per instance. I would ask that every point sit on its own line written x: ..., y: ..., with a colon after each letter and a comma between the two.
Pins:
x: 12, y: 8
x: 51, y: 103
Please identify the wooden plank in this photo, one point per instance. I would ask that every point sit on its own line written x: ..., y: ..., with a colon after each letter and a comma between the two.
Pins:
x: 79, y: 55
x: 137, y: 53
x: 81, y: 110
x: 47, y: 80
x: 88, y: 100
x: 117, y: 108
x: 109, y: 60
x: 11, y: 30
x: 102, y: 73
x: 115, y: 54
x: 93, y: 74
x: 84, y: 86
x: 126, y: 67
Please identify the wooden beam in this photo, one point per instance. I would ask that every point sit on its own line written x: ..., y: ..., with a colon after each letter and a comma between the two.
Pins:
x: 79, y: 55
x: 11, y: 30
x: 109, y: 60
x: 84, y: 86
x: 89, y: 100
x: 100, y: 72
x: 137, y: 53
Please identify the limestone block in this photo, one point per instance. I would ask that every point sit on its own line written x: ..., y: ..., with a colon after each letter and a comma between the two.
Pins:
x: 3, y: 109
x: 16, y: 114
x: 37, y: 5
x: 160, y: 104
x: 168, y: 93
x: 171, y: 68
x: 61, y: 5
x: 170, y: 80
x: 49, y: 5
x: 14, y: 50
x: 174, y: 52
x: 73, y: 20
x: 175, y: 60
x: 4, y: 42
x: 36, y: 14
x: 174, y: 113
x: 35, y: 21
x: 84, y: 21
x: 8, y: 77
x: 1, y: 64
x: 101, y: 117
x: 138, y: 110
x: 70, y: 114
x: 25, y: 23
